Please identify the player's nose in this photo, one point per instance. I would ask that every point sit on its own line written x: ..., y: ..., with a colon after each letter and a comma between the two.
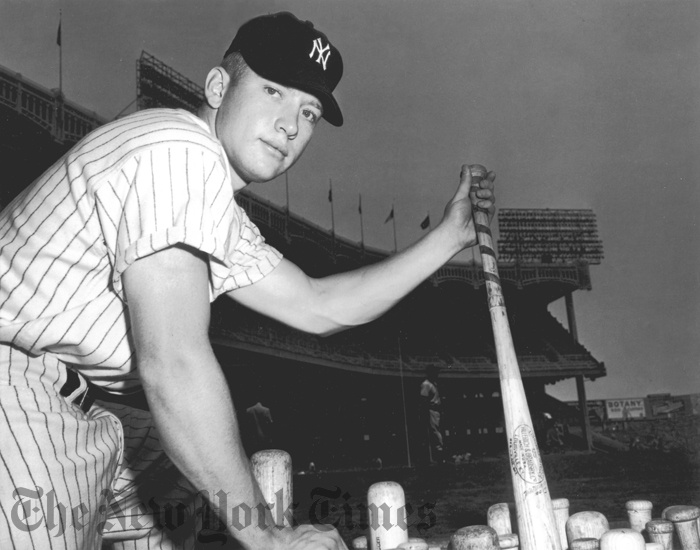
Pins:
x: 287, y: 121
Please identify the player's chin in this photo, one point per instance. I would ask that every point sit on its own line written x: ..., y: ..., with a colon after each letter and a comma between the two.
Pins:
x: 264, y: 173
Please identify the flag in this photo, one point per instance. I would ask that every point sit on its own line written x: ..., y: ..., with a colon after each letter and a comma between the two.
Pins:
x: 359, y: 204
x: 330, y: 195
x: 390, y: 216
x: 425, y: 223
x: 58, y: 34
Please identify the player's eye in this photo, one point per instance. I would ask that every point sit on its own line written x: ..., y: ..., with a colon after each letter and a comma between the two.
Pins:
x: 310, y: 115
x: 272, y: 91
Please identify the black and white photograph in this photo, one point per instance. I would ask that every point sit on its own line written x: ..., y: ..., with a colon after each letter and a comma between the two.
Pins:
x: 347, y: 274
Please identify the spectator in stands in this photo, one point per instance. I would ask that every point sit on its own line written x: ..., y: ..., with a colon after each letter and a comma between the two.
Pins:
x: 431, y: 408
x: 258, y: 427
x: 108, y: 265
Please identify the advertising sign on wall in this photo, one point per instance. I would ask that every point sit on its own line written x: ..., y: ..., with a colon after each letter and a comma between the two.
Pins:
x: 625, y: 409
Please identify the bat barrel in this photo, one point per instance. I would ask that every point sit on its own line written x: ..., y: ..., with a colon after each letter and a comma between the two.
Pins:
x: 386, y: 504
x: 474, y: 537
x: 622, y: 539
x: 639, y: 514
x: 272, y: 469
x: 661, y: 531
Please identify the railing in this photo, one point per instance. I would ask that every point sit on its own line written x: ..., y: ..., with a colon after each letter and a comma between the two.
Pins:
x: 65, y: 121
x: 268, y: 340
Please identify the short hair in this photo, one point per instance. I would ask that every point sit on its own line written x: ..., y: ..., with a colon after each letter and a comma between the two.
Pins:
x: 235, y: 66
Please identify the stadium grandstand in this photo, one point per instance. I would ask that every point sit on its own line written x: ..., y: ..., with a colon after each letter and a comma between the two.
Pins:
x: 347, y: 399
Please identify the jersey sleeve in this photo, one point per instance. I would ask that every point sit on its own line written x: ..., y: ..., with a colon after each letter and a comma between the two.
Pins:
x: 180, y: 194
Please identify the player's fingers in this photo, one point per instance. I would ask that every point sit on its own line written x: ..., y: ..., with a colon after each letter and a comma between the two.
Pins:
x: 485, y: 194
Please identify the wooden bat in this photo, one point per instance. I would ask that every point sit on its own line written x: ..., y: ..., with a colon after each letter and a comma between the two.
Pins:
x: 622, y: 539
x: 537, y: 529
x: 685, y: 521
x: 587, y: 524
x: 272, y: 469
x: 561, y: 514
x: 661, y: 531
x: 474, y: 537
x: 386, y: 499
x: 639, y: 514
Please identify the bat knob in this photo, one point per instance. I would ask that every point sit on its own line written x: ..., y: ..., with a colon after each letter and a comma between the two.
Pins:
x: 478, y: 172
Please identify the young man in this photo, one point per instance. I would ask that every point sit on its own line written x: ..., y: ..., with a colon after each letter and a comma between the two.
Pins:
x: 108, y: 265
x: 431, y: 408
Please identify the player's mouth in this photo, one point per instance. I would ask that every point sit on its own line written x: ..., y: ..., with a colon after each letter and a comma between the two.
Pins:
x: 276, y: 149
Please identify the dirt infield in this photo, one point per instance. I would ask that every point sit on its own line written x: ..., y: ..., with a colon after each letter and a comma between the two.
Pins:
x: 443, y: 498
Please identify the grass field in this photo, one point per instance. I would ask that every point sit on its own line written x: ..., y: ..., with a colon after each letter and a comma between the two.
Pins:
x: 459, y: 495
x: 443, y: 498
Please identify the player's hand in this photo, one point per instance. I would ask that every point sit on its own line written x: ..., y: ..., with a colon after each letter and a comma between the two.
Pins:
x: 458, y: 212
x: 311, y: 537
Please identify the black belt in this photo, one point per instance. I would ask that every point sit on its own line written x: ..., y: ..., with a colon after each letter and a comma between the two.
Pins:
x: 86, y: 398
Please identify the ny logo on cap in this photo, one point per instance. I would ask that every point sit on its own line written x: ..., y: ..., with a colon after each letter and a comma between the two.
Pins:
x: 323, y: 53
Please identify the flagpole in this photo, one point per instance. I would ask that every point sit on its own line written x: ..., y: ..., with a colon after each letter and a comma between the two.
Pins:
x: 362, y: 228
x: 403, y: 399
x: 60, y: 52
x: 286, y: 218
x: 286, y: 187
x: 59, y: 100
x: 330, y: 199
x: 393, y: 221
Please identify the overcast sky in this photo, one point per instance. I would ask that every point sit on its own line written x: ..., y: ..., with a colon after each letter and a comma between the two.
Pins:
x: 575, y: 104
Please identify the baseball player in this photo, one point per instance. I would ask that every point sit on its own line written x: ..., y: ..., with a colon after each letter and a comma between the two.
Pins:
x: 115, y: 416
x: 431, y: 405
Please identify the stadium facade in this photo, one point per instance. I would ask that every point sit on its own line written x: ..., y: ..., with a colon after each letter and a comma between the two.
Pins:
x: 347, y: 399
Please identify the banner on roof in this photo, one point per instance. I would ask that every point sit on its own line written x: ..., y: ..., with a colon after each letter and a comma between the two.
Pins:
x: 625, y: 409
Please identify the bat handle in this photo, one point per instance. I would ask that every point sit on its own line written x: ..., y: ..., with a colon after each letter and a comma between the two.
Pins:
x: 478, y: 173
x: 483, y: 234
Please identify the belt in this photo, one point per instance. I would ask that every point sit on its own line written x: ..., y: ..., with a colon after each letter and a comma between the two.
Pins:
x: 71, y: 390
x: 84, y: 398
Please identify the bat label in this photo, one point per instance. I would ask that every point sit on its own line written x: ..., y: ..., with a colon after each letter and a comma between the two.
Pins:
x: 524, y: 455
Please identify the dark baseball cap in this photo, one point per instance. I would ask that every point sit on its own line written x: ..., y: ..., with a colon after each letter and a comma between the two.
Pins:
x: 282, y: 48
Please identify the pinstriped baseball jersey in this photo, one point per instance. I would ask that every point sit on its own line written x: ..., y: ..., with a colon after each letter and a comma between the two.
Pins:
x: 132, y: 187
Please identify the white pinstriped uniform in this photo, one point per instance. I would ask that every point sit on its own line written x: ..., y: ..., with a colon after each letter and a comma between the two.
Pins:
x: 130, y: 188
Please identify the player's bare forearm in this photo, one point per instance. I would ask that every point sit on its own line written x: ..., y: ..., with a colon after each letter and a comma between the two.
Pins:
x: 186, y: 390
x: 168, y: 298
x: 194, y: 415
x: 329, y: 304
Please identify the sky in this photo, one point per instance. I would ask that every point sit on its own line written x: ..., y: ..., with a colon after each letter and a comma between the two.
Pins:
x: 579, y: 104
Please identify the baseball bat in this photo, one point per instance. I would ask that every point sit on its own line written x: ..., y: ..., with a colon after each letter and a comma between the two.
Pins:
x: 622, y: 539
x: 413, y: 543
x: 386, y: 504
x: 272, y: 469
x: 685, y: 521
x: 639, y: 514
x: 498, y: 518
x: 661, y: 531
x: 537, y: 528
x: 508, y: 541
x: 360, y: 543
x: 586, y: 524
x: 474, y: 537
x: 561, y: 514
x: 586, y: 543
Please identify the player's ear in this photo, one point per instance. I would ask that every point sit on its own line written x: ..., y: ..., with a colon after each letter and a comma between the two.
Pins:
x: 215, y: 86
